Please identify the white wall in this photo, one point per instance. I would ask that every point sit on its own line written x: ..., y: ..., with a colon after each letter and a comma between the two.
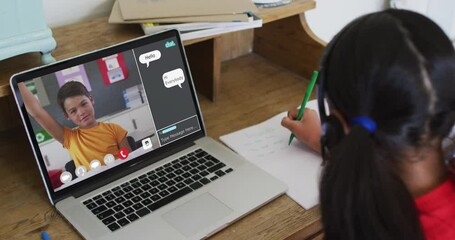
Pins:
x: 443, y: 13
x: 64, y: 12
x: 330, y: 16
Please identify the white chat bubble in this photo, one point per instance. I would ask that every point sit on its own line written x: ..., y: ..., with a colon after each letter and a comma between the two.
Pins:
x: 146, y: 58
x: 173, y: 78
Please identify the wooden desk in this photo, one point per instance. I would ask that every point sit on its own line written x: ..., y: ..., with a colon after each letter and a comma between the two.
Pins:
x: 254, y: 89
x: 285, y: 39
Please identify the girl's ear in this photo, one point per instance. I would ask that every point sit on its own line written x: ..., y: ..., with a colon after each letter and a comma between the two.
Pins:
x: 342, y: 121
x: 66, y: 115
x: 92, y: 100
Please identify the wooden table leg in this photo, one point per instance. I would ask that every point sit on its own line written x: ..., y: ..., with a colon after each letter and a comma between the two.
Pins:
x: 205, y: 63
x: 290, y: 43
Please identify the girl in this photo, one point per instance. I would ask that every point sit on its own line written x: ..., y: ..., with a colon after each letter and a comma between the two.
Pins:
x: 389, y: 80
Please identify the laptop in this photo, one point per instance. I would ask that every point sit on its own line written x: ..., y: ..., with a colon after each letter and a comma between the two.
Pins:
x: 173, y: 181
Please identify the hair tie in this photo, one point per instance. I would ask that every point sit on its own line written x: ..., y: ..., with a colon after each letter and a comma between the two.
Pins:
x: 365, y: 122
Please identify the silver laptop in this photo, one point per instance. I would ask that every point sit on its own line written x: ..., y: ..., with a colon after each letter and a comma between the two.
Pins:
x: 171, y: 181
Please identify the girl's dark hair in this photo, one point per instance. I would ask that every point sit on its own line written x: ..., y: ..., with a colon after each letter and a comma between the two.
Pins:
x: 70, y: 89
x: 397, y: 68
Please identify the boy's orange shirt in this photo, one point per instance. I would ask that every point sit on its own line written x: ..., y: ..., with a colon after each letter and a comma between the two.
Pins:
x: 85, y: 145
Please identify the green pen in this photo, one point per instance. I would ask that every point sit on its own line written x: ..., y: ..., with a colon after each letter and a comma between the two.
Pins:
x: 305, y: 100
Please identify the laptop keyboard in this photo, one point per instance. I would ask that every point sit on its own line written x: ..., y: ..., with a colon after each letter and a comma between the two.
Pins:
x: 140, y: 196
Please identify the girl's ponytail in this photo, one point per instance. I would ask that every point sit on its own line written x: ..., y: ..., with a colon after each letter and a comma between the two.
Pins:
x: 361, y: 195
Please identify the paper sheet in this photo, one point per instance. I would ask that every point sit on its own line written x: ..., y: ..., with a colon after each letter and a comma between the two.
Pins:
x: 266, y: 145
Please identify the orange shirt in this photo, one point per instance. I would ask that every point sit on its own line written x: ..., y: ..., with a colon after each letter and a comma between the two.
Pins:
x: 85, y: 145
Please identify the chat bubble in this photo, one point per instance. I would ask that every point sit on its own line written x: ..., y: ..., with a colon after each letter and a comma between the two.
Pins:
x: 173, y: 78
x: 146, y: 58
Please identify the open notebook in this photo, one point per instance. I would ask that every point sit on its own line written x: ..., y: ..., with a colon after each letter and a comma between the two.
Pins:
x: 266, y: 145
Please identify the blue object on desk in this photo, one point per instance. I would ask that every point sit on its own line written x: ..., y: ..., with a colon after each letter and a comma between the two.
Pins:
x: 45, y: 236
x: 23, y: 29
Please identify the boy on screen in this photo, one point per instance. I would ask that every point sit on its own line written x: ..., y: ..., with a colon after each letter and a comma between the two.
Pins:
x: 91, y: 139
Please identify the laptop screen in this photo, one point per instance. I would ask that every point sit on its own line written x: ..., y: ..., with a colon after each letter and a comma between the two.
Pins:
x: 90, y: 114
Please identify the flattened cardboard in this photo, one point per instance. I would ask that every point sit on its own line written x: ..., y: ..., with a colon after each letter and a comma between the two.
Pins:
x: 116, y: 17
x: 146, y: 9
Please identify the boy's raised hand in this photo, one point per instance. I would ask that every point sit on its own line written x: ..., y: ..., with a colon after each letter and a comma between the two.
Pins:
x: 35, y: 109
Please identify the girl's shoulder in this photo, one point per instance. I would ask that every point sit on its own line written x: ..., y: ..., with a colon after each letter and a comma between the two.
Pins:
x: 436, y: 210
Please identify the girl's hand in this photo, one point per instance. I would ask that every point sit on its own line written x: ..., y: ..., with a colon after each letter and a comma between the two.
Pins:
x: 307, y: 130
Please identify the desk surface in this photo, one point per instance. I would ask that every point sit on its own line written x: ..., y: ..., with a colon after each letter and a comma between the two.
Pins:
x: 253, y: 90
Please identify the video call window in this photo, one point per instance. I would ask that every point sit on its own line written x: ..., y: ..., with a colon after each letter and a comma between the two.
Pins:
x: 111, y: 110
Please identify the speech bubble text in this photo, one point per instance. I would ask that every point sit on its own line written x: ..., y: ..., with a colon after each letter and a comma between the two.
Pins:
x: 146, y: 58
x: 173, y: 78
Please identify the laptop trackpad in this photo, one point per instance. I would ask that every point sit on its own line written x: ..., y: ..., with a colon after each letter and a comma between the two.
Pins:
x: 197, y: 214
